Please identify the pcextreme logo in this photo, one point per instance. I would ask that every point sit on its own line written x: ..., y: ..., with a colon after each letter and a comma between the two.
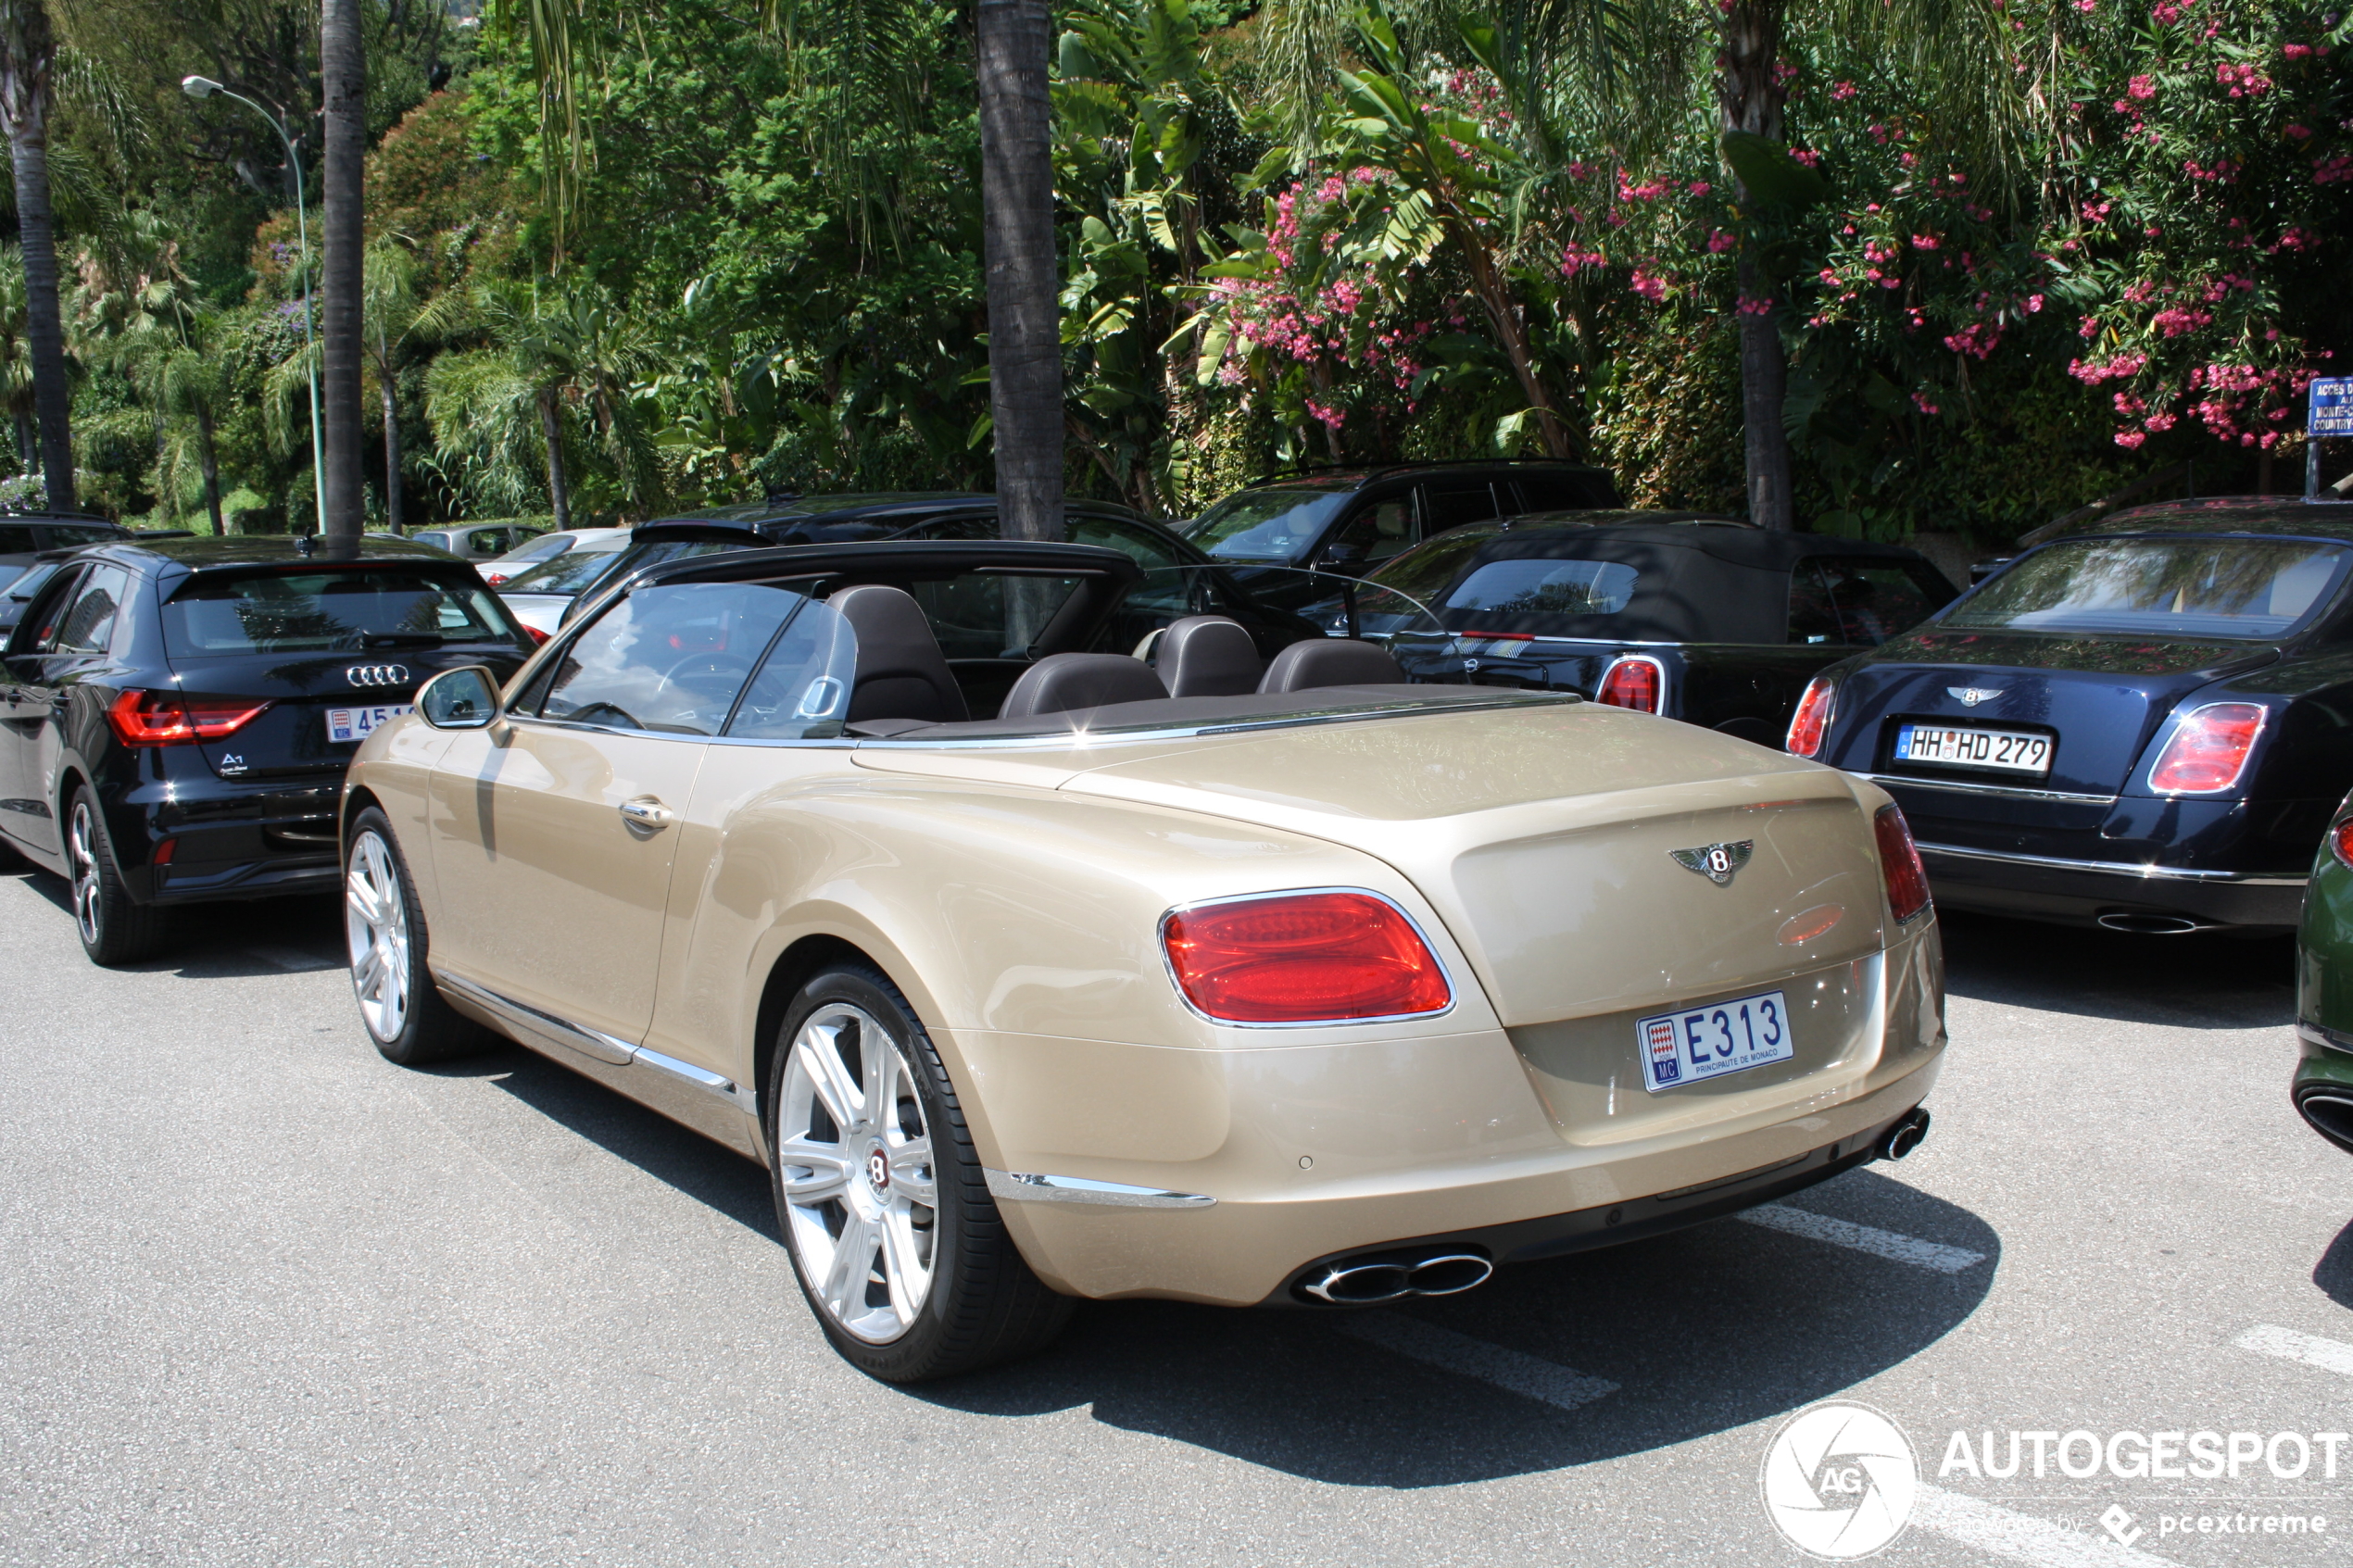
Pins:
x: 1840, y: 1481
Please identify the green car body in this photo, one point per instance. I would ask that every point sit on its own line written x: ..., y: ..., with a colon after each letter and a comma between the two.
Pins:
x: 2323, y: 1087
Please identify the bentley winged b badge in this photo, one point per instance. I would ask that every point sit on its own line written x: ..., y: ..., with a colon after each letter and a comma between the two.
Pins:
x: 1971, y: 696
x: 1717, y: 862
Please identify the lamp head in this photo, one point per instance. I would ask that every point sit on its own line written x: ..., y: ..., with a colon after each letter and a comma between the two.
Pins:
x: 199, y: 86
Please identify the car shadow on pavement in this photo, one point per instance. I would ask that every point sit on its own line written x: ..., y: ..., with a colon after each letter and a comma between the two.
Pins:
x: 229, y: 941
x: 1702, y: 1330
x: 2195, y: 982
x: 2334, y: 1273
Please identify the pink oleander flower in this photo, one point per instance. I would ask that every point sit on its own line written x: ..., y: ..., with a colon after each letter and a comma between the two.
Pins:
x: 1842, y: 91
x: 1699, y: 187
x: 1924, y: 406
x: 2130, y: 439
x: 2143, y: 87
x: 1719, y: 241
x: 1925, y: 242
x: 1807, y: 156
x: 1650, y: 288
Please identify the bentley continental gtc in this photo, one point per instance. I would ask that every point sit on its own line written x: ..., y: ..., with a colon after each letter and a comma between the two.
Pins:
x: 1033, y: 972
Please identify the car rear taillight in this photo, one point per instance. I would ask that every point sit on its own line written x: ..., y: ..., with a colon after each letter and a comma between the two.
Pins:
x: 1636, y: 681
x: 1811, y: 723
x: 1302, y: 958
x: 168, y: 718
x: 2341, y: 842
x: 2208, y: 750
x: 538, y: 638
x: 1899, y: 864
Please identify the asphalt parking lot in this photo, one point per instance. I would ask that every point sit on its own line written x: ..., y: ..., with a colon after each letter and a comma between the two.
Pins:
x: 265, y: 1298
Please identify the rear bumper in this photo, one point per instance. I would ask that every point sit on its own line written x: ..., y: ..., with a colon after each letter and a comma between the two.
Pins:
x: 228, y: 840
x: 2079, y: 891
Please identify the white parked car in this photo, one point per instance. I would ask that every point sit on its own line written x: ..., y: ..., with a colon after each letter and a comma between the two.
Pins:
x: 539, y: 596
x: 477, y: 541
x: 546, y: 547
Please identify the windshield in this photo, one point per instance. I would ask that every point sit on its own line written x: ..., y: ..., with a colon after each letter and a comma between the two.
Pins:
x: 576, y: 568
x: 2159, y: 587
x: 1277, y: 523
x: 340, y: 610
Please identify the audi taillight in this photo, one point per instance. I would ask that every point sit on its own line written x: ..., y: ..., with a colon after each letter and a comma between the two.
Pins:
x: 1634, y: 682
x: 1303, y: 957
x: 1811, y: 723
x: 2208, y: 750
x: 1899, y: 864
x: 168, y: 718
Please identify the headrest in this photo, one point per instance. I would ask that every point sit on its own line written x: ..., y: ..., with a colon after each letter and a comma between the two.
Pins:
x: 901, y: 672
x: 1331, y: 661
x: 1208, y: 655
x: 1061, y: 682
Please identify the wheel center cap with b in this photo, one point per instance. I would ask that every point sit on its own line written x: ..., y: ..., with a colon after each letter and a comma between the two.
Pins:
x: 878, y: 1170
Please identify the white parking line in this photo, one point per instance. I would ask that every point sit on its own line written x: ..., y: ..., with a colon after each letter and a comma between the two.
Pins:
x: 1442, y: 1348
x: 1863, y: 1238
x: 2329, y: 1355
x: 2022, y: 1537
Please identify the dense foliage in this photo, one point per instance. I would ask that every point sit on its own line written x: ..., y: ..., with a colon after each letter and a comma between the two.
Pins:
x: 761, y: 272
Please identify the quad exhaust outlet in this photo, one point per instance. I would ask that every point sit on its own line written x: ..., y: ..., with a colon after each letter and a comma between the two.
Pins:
x: 1904, y: 1136
x: 1370, y: 1279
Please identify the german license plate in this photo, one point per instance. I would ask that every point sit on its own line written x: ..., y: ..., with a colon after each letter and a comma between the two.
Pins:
x: 354, y: 724
x: 1690, y: 1047
x: 1967, y: 746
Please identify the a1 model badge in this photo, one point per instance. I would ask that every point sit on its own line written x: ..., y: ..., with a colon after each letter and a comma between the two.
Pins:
x: 1717, y: 862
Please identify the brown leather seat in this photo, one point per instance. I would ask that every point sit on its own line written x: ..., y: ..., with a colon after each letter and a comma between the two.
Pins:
x: 1208, y: 655
x: 901, y: 672
x: 1061, y: 682
x: 1331, y: 661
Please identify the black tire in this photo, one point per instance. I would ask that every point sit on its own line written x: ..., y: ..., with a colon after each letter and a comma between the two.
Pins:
x: 405, y: 1015
x: 114, y: 928
x: 983, y: 1306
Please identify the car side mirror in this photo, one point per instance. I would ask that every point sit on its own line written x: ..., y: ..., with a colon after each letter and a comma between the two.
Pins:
x: 460, y: 699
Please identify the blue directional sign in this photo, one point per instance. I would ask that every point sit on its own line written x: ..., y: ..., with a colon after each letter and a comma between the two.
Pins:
x: 2332, y: 407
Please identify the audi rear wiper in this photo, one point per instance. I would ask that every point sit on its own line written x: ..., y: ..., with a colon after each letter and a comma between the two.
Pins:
x: 402, y: 640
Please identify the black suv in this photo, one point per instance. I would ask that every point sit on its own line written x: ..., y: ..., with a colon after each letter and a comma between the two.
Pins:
x: 176, y: 716
x: 1352, y: 520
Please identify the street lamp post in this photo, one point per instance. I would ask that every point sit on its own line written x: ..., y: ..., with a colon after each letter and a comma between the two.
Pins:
x: 201, y: 87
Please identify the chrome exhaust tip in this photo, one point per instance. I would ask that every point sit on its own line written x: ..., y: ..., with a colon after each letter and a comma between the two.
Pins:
x: 1369, y: 1279
x: 1905, y: 1136
x: 2152, y: 925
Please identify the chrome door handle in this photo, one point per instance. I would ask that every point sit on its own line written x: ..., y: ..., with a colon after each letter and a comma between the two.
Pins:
x: 647, y: 814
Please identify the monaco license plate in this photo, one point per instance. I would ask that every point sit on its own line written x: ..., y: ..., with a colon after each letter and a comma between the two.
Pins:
x: 1967, y: 746
x: 1687, y: 1047
x: 354, y: 724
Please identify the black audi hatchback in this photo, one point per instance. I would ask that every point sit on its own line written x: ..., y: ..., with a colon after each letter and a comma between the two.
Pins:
x: 176, y: 717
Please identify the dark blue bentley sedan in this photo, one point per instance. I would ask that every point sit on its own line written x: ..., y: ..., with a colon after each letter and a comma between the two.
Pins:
x: 2143, y: 724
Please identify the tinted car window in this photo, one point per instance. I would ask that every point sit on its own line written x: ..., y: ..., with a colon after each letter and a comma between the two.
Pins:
x: 341, y: 609
x: 18, y: 536
x: 1526, y: 592
x: 668, y: 658
x: 2159, y: 587
x: 1276, y: 523
x: 571, y: 573
x: 991, y: 617
x: 1380, y: 533
x: 88, y: 623
x: 1812, y: 617
x: 1420, y: 573
x: 1553, y: 492
x: 63, y: 535
x: 1450, y: 503
x: 1876, y: 599
x: 1149, y: 551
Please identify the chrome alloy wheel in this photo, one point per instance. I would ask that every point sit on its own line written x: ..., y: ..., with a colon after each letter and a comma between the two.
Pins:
x: 854, y: 1161
x: 81, y: 849
x: 375, y: 925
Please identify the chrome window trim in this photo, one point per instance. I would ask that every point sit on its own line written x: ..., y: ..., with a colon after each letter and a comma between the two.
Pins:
x: 1168, y: 965
x: 2117, y: 868
x: 2007, y: 792
x: 1026, y: 1188
x: 1064, y: 739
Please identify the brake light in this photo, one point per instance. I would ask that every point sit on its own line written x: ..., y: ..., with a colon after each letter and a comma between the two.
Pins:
x: 2208, y: 750
x: 1302, y: 958
x: 2341, y: 842
x: 1635, y: 682
x: 538, y: 638
x: 1899, y: 864
x: 1811, y: 723
x: 168, y: 718
x: 494, y: 578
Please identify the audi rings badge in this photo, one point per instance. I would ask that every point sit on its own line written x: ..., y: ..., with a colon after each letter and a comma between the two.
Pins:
x: 377, y: 674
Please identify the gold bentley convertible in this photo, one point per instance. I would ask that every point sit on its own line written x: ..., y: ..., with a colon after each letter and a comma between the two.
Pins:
x: 1049, y: 937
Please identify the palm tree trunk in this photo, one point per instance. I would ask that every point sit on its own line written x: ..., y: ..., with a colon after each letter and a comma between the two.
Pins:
x: 24, y: 442
x: 210, y: 462
x: 391, y: 435
x: 1751, y: 100
x: 1025, y: 322
x: 344, y: 73
x: 28, y: 49
x: 551, y: 427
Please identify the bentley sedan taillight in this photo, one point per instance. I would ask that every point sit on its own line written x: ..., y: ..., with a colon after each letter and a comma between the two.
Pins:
x: 1899, y: 864
x: 2208, y: 750
x: 1302, y: 958
x: 1811, y: 723
x: 1637, y: 682
x: 168, y: 718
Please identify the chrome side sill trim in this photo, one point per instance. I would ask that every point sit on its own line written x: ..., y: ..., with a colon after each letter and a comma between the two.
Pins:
x: 2321, y: 1035
x: 1024, y: 1188
x: 702, y: 1078
x: 2008, y: 792
x: 588, y: 1042
x: 2118, y: 867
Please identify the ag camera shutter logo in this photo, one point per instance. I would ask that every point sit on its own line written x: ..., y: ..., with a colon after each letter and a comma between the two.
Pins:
x: 1840, y: 1481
